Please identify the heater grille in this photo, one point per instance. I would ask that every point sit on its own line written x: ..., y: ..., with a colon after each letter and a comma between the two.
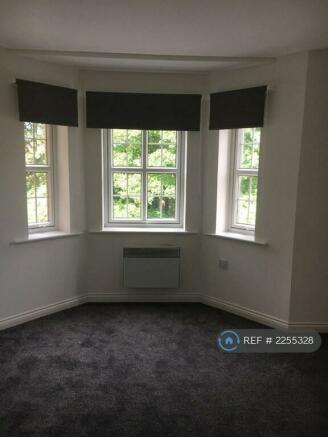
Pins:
x: 151, y: 267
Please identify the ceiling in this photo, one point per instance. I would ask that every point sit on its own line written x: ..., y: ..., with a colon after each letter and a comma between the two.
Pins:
x: 227, y: 28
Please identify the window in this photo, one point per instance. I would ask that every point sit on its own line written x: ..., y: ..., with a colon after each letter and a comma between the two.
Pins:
x: 244, y: 180
x: 39, y: 175
x: 143, y: 181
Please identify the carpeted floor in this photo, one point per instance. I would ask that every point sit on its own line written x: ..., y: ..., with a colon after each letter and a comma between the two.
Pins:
x: 153, y: 370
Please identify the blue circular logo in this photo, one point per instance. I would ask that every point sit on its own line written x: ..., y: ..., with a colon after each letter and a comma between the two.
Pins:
x: 228, y: 341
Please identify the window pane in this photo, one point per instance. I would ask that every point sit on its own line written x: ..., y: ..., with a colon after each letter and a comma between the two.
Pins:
x: 37, y: 197
x: 120, y: 184
x: 31, y: 211
x: 126, y: 148
x: 119, y: 207
x: 256, y: 156
x: 134, y: 153
x: 154, y: 155
x: 161, y: 195
x: 42, y: 210
x: 30, y: 185
x: 119, y: 155
x: 29, y: 152
x: 242, y: 212
x: 40, y: 131
x: 244, y: 187
x: 162, y: 149
x: 246, y: 200
x: 35, y: 135
x: 119, y: 135
x: 169, y: 155
x: 154, y: 189
x: 169, y: 137
x: 247, y: 135
x: 41, y: 184
x: 253, y: 189
x: 252, y: 213
x: 40, y: 152
x: 127, y: 195
x: 134, y: 136
x: 134, y: 195
x: 134, y: 208
x: 257, y: 135
x: 168, y: 195
x: 28, y: 130
x: 250, y: 148
x: 134, y: 148
x: 246, y: 156
x: 154, y: 136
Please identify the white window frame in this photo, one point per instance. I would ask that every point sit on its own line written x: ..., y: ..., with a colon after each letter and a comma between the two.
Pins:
x: 235, y: 173
x: 50, y: 169
x: 108, y: 169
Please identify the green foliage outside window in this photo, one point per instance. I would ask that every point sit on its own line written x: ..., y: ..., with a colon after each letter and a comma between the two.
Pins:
x: 37, y: 180
x: 129, y: 151
x: 247, y: 185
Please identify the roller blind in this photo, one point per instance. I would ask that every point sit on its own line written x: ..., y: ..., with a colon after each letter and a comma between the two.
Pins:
x: 143, y: 111
x: 237, y: 109
x: 49, y: 104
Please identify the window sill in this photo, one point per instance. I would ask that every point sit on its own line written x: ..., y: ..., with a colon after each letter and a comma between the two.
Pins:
x: 41, y: 236
x: 239, y: 237
x: 143, y: 230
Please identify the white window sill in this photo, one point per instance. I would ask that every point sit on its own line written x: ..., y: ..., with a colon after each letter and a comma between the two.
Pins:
x: 239, y: 237
x: 145, y: 230
x: 52, y: 235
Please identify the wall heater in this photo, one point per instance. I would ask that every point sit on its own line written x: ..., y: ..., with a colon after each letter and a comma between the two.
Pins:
x: 151, y: 267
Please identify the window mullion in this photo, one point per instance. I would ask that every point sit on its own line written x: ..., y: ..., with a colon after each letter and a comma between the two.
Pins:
x: 38, y: 169
x: 144, y: 176
x: 246, y: 172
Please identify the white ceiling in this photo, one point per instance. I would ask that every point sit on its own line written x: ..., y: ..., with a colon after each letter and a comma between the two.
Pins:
x: 236, y: 28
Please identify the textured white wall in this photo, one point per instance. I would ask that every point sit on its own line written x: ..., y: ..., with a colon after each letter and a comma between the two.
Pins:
x: 39, y: 273
x: 105, y: 251
x: 259, y: 277
x: 309, y: 300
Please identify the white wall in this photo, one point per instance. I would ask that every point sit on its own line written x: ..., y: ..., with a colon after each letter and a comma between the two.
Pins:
x: 309, y: 300
x: 105, y: 250
x: 39, y: 273
x: 105, y: 268
x: 259, y: 277
x: 285, y: 279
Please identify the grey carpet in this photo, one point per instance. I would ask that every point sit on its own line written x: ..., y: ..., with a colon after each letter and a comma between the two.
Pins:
x: 153, y: 370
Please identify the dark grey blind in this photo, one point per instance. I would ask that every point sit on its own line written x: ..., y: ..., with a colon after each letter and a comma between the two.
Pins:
x: 49, y: 104
x: 238, y: 109
x: 143, y: 111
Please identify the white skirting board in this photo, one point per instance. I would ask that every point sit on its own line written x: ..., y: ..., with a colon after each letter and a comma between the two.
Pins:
x: 260, y: 317
x: 247, y: 313
x: 144, y: 296
x: 171, y: 296
x: 45, y: 310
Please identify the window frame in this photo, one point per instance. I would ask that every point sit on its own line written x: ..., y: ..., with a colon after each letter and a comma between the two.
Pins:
x: 49, y: 168
x: 108, y: 169
x: 235, y: 173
